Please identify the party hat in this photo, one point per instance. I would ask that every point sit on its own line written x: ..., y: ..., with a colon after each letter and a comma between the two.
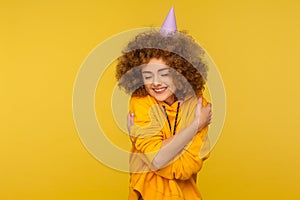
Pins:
x: 169, y: 25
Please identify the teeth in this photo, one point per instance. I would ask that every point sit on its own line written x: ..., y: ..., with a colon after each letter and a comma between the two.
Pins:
x: 159, y: 90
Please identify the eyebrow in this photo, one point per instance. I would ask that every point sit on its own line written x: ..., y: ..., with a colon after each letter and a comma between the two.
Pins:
x: 157, y: 70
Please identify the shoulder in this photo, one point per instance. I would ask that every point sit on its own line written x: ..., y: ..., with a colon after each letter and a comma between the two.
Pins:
x: 134, y: 99
x: 193, y: 100
x: 145, y: 110
x: 141, y: 103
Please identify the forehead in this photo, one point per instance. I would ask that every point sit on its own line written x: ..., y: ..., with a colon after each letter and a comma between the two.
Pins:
x: 155, y: 65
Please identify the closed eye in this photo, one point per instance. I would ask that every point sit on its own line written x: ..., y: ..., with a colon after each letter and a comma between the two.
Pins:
x: 147, y: 77
x: 166, y: 74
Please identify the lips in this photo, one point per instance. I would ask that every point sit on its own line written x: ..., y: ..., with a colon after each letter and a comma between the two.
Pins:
x: 159, y: 90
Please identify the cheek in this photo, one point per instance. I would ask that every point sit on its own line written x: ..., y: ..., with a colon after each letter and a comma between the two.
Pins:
x: 167, y: 80
x: 172, y: 88
x: 171, y: 84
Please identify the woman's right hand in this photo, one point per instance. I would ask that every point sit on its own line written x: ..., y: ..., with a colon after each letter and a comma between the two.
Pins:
x: 203, y: 114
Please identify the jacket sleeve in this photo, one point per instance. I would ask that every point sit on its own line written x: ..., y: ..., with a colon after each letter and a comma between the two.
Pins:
x: 147, y: 137
x: 146, y: 133
x: 190, y: 161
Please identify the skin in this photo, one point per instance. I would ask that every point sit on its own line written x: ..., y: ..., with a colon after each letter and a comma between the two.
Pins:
x: 159, y: 84
x: 158, y: 81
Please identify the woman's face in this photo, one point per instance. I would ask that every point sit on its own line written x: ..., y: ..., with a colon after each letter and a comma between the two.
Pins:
x: 158, y: 80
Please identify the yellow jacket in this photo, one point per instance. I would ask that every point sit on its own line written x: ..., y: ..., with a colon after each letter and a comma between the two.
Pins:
x: 177, y: 180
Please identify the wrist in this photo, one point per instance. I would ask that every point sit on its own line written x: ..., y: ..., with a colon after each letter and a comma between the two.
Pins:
x: 196, y: 125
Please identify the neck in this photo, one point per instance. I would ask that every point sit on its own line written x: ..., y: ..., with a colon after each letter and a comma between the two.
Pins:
x: 170, y: 100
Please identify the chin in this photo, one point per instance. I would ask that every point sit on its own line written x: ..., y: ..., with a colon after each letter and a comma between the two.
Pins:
x: 160, y: 97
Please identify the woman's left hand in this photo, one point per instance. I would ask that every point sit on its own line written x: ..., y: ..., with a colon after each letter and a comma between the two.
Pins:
x: 130, y: 121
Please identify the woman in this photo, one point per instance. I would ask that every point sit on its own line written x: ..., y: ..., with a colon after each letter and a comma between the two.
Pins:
x: 169, y: 118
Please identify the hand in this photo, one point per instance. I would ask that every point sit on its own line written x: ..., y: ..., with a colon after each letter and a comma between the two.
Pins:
x: 203, y: 114
x: 130, y: 121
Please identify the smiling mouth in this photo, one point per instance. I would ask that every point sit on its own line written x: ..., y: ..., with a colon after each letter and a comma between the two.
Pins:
x: 159, y: 90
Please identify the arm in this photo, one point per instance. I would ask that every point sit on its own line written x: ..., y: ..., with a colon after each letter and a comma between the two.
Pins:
x: 150, y: 141
x: 189, y: 161
x: 182, y: 167
x: 175, y: 145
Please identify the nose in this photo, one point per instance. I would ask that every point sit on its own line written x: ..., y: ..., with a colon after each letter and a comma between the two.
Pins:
x: 156, y: 80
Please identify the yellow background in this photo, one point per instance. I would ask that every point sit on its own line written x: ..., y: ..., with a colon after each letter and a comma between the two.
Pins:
x: 255, y: 45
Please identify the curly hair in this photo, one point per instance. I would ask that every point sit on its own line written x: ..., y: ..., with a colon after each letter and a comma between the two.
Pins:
x: 178, y: 50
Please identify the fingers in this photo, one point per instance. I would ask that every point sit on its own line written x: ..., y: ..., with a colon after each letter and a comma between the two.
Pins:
x: 130, y: 120
x: 208, y: 110
x: 210, y: 117
x: 209, y: 107
x: 209, y: 120
x: 200, y: 100
x: 198, y: 107
x: 130, y: 115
